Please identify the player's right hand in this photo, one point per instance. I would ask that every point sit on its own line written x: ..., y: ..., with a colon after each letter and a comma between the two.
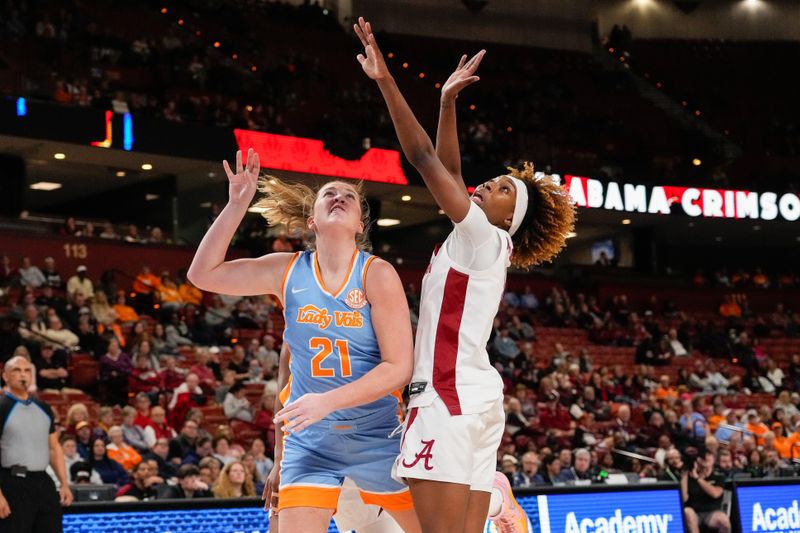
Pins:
x: 243, y: 184
x: 270, y: 494
x: 463, y: 76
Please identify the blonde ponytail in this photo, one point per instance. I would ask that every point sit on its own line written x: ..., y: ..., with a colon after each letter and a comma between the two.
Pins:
x: 288, y: 204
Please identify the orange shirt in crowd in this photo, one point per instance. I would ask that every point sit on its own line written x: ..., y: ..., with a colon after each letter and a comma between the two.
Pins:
x: 758, y: 430
x: 126, y: 455
x: 730, y: 309
x: 714, y: 421
x: 190, y: 294
x: 668, y: 393
x: 146, y: 283
x: 169, y: 293
x: 125, y: 313
x: 784, y: 445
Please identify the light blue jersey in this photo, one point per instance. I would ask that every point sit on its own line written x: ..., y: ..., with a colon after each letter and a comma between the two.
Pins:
x: 332, y: 343
x: 330, y: 333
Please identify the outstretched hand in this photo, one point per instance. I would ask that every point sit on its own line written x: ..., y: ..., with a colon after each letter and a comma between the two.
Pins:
x: 243, y: 184
x: 463, y: 76
x: 373, y: 64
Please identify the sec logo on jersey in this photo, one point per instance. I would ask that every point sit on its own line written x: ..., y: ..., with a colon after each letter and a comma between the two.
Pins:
x: 356, y: 299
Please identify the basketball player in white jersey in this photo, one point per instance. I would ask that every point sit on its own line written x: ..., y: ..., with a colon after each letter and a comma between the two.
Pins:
x: 352, y: 514
x: 456, y: 419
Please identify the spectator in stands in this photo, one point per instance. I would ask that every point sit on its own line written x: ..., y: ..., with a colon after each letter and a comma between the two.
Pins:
x: 172, y: 376
x: 125, y: 313
x: 529, y: 476
x: 266, y: 353
x: 693, y: 421
x: 76, y: 308
x: 263, y: 464
x: 205, y: 374
x: 159, y: 456
x: 80, y: 282
x: 184, y: 397
x: 701, y: 492
x: 203, y: 449
x: 109, y: 232
x: 581, y: 466
x: 8, y: 274
x: 177, y: 332
x: 102, y: 312
x: 756, y: 427
x: 110, y: 471
x: 145, y: 286
x: 52, y: 277
x: 142, y: 377
x: 120, y: 451
x: 48, y: 298
x: 159, y: 428
x: 551, y: 469
x: 133, y: 434
x: 784, y: 401
x: 143, y: 485
x: 236, y: 405
x: 772, y: 378
x: 115, y: 367
x: 223, y: 451
x: 51, y: 368
x: 505, y: 346
x: 58, y: 334
x: 189, y: 485
x: 30, y: 275
x: 168, y: 295
x: 189, y: 294
x: 71, y: 456
x: 183, y: 444
x: 32, y: 327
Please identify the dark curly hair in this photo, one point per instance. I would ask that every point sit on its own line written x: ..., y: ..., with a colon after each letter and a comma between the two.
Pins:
x: 549, y: 219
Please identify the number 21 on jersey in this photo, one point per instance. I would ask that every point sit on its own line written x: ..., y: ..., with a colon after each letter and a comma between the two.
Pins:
x: 325, y: 347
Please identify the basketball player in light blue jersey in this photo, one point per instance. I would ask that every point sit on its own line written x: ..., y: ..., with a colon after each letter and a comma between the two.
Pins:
x: 349, y: 332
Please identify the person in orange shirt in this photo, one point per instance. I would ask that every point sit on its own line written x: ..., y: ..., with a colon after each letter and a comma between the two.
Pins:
x: 665, y: 391
x: 145, y: 286
x: 125, y: 313
x: 756, y: 427
x: 730, y: 308
x: 120, y: 451
x: 190, y: 294
x: 168, y: 294
x: 717, y: 418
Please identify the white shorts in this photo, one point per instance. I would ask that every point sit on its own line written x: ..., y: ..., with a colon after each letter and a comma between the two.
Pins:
x: 457, y: 449
x: 353, y: 514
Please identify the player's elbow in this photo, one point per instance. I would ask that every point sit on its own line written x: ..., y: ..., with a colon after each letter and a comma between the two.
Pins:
x: 198, y: 276
x: 421, y: 156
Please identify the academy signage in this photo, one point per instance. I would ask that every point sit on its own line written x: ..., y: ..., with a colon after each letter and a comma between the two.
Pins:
x: 769, y: 509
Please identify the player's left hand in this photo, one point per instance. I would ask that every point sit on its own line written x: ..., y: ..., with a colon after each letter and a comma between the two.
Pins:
x: 65, y: 495
x: 372, y: 59
x: 301, y: 413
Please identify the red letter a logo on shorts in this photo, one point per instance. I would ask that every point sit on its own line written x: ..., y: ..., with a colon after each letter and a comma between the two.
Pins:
x: 426, y: 454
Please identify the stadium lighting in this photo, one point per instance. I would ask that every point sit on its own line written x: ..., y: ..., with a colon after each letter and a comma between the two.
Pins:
x: 626, y: 221
x: 406, y: 198
x: 120, y: 173
x: 45, y: 186
x: 59, y: 156
x: 386, y: 222
x: 697, y: 162
x: 147, y: 166
x: 571, y: 234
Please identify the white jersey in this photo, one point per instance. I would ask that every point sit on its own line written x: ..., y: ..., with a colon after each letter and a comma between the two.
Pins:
x: 457, y: 310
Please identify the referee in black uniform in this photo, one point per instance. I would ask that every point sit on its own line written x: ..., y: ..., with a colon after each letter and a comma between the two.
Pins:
x: 29, y: 502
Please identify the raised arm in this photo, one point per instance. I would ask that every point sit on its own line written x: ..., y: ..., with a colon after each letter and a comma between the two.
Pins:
x: 447, y: 132
x: 416, y: 144
x: 242, y: 277
x: 392, y: 324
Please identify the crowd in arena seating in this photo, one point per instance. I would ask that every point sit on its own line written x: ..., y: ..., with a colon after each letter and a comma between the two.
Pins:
x: 181, y: 396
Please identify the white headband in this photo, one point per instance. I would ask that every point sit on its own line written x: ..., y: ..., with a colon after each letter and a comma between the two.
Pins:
x: 521, y: 205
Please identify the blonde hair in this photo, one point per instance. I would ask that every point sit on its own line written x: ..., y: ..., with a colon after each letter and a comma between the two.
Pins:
x: 548, y: 221
x: 74, y: 408
x: 290, y: 205
x: 223, y: 488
